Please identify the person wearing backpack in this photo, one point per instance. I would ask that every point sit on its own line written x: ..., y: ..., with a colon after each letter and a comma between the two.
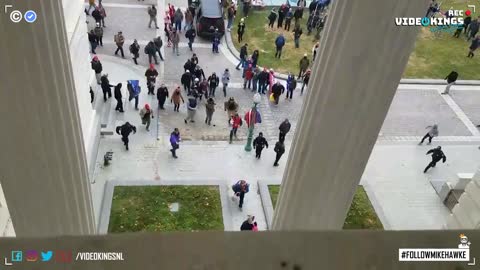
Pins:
x: 134, y: 50
x: 239, y: 190
x: 191, y: 108
x: 119, y: 40
x: 151, y: 51
x: 146, y: 114
x: 236, y: 122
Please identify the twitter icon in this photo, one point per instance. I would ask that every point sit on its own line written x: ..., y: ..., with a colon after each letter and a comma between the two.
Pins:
x: 47, y: 256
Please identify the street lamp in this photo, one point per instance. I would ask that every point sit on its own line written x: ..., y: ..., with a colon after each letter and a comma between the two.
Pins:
x: 252, y: 117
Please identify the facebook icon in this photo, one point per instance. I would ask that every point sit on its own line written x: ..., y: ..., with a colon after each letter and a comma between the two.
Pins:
x: 17, y: 256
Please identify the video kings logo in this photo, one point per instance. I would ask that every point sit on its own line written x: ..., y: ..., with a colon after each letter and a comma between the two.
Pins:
x: 450, y: 17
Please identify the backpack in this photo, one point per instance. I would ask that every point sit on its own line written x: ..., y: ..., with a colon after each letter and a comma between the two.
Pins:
x: 131, y: 48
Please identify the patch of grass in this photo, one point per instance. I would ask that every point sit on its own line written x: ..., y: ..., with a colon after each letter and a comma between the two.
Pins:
x: 434, y: 56
x: 146, y: 209
x: 259, y: 36
x: 360, y: 216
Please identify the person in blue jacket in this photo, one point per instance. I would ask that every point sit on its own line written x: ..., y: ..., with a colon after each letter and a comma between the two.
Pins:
x: 279, y: 43
x: 240, y: 189
x: 174, y: 141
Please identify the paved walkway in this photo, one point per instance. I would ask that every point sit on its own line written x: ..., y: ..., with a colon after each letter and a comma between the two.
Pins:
x: 400, y: 192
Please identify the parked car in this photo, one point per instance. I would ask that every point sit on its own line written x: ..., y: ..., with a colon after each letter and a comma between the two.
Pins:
x: 209, y: 16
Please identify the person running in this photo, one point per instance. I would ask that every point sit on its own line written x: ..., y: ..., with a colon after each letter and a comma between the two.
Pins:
x: 158, y: 46
x: 279, y: 149
x: 152, y: 12
x: 306, y: 78
x: 146, y: 114
x: 151, y: 76
x: 125, y: 130
x: 241, y: 30
x: 272, y: 17
x: 106, y: 87
x: 291, y: 85
x: 162, y: 95
x: 279, y: 43
x: 239, y: 190
x: 97, y: 67
x: 236, y: 122
x: 176, y: 98
x: 437, y: 155
x: 213, y: 82
x: 119, y: 41
x: 134, y: 50
x: 249, y: 225
x: 451, y: 79
x: 433, y: 132
x: 209, y: 109
x: 284, y: 129
x: 191, y: 108
x: 175, y: 142
x: 225, y: 81
x: 258, y: 144
x: 473, y: 46
x: 117, y: 94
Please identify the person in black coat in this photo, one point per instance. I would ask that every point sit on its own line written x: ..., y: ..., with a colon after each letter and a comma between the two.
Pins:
x: 151, y: 51
x: 92, y: 38
x: 105, y: 84
x: 249, y: 224
x: 263, y: 81
x: 272, y: 17
x: 134, y: 49
x: 258, y: 144
x: 125, y: 130
x: 277, y: 90
x: 97, y: 15
x: 279, y: 149
x: 466, y: 23
x: 190, y: 35
x: 162, y: 95
x: 451, y: 79
x: 117, y: 94
x: 284, y: 129
x: 473, y: 47
x: 151, y: 76
x: 186, y: 80
x: 437, y: 155
x: 189, y: 66
x: 243, y: 55
x: 213, y: 82
x: 97, y: 67
x: 199, y: 73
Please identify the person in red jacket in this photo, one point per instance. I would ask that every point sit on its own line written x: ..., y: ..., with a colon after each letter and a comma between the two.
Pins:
x: 236, y: 122
x: 248, y: 77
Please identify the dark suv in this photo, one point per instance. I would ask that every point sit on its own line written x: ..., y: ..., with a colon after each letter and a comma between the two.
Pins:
x: 208, y: 17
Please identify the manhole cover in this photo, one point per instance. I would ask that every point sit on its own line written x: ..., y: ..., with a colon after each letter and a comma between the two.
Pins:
x: 174, y: 207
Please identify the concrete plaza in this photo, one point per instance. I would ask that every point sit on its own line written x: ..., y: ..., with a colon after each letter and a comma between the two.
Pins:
x: 393, y: 179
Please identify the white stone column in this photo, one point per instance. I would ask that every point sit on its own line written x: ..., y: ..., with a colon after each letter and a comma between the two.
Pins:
x: 43, y: 170
x: 466, y: 214
x: 361, y: 59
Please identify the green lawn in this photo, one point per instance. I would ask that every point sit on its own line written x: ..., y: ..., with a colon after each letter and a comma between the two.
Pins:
x: 259, y: 36
x: 360, y: 216
x: 146, y: 209
x: 434, y: 56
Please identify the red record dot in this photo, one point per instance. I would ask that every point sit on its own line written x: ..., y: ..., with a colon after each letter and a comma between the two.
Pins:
x: 468, y: 12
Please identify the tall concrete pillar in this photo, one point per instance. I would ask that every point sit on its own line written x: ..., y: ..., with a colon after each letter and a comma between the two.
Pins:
x: 360, y: 62
x: 466, y: 213
x: 43, y: 170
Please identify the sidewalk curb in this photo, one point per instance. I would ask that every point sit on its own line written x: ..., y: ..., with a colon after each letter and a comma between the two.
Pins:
x: 266, y: 202
x: 236, y: 54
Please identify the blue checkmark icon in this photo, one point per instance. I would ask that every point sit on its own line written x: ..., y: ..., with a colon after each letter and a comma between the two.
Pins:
x: 30, y: 16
